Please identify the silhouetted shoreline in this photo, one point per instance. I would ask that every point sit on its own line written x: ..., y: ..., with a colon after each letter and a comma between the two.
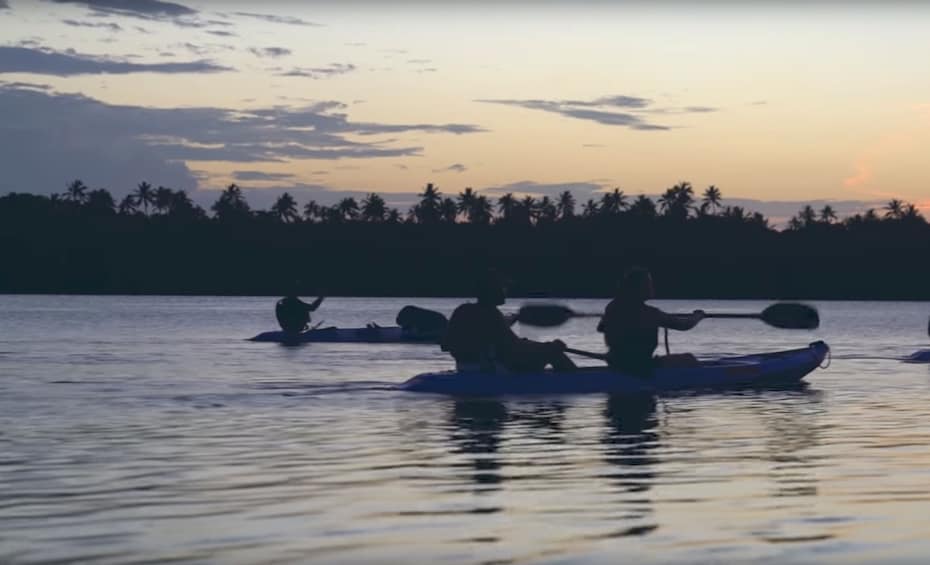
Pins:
x: 158, y: 242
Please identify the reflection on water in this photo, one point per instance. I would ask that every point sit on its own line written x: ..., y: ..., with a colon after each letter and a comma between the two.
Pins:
x: 477, y: 434
x: 141, y: 429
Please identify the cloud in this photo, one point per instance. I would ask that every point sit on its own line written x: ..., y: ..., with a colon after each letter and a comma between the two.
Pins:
x: 48, y: 62
x: 611, y: 101
x: 221, y: 33
x: 331, y: 70
x: 456, y: 168
x: 593, y: 145
x: 260, y: 176
x: 290, y: 20
x: 25, y: 85
x: 146, y: 8
x: 582, y: 190
x: 100, y: 25
x: 49, y: 138
x: 603, y: 110
x: 273, y: 52
x: 151, y: 10
x: 572, y: 109
x: 4, y: 5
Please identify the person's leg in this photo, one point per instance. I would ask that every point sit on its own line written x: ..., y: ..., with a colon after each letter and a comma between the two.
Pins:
x: 531, y: 356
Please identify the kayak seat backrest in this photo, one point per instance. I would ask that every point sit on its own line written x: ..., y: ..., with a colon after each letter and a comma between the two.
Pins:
x: 421, y: 321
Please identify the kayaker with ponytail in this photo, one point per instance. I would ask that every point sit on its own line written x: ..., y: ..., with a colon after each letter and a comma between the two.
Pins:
x: 479, y: 336
x: 293, y: 314
x: 631, y: 327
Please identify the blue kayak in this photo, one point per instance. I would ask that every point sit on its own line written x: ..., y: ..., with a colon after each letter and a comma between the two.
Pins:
x: 922, y: 356
x: 389, y: 334
x: 765, y: 369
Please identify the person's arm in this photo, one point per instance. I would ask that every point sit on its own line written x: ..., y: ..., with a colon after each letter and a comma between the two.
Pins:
x: 677, y: 321
x: 315, y: 304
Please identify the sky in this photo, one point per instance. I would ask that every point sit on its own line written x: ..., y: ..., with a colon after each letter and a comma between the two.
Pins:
x: 774, y: 103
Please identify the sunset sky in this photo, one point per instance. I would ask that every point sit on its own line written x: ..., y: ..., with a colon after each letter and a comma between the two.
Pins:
x: 787, y: 101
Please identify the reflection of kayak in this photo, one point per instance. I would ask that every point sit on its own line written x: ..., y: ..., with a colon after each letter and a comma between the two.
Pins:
x: 766, y: 369
x: 922, y: 356
x: 391, y: 334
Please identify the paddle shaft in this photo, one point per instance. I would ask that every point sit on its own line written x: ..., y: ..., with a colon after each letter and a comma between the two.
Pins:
x: 706, y: 315
x: 583, y: 353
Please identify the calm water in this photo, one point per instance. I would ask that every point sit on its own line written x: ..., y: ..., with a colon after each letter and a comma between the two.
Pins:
x: 145, y: 429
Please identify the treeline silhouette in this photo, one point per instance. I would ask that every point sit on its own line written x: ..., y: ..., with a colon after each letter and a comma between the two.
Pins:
x: 157, y: 240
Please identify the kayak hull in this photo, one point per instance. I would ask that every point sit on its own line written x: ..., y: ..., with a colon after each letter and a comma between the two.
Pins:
x: 762, y: 370
x: 922, y: 356
x: 389, y: 334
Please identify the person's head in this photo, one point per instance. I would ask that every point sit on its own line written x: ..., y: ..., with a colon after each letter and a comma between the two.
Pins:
x: 490, y: 289
x: 636, y: 284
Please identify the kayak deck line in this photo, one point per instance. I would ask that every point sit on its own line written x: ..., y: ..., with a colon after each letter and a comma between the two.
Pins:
x: 746, y: 371
x: 377, y: 334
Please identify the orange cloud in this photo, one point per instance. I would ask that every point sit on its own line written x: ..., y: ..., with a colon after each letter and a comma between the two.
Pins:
x: 885, y: 148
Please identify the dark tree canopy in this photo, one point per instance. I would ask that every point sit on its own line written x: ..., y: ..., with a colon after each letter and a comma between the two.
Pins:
x: 157, y: 240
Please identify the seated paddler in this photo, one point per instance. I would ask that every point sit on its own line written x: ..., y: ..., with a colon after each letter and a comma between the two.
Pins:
x: 479, y: 336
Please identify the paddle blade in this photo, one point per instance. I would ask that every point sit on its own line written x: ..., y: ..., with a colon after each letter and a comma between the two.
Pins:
x: 544, y: 315
x: 791, y: 316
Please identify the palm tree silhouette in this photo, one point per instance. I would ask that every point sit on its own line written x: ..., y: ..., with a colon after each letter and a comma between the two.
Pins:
x: 481, y: 211
x: 127, y: 205
x: 808, y: 216
x: 347, y: 209
x: 507, y: 206
x: 894, y: 209
x: 285, y: 209
x: 100, y: 202
x: 374, y: 209
x: 590, y: 209
x: 676, y: 201
x: 711, y: 199
x: 76, y: 192
x: 910, y: 212
x: 162, y: 199
x: 312, y: 211
x: 566, y: 205
x: 546, y: 211
x: 466, y: 200
x: 527, y: 210
x: 182, y: 206
x: 144, y: 196
x: 231, y: 205
x: 427, y: 211
x: 643, y: 207
x: 448, y: 210
x: 613, y: 203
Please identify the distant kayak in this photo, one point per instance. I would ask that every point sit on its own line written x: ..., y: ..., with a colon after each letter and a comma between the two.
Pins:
x: 765, y: 369
x: 922, y: 356
x: 389, y: 334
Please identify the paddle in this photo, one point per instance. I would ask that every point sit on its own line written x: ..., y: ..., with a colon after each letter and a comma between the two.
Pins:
x: 583, y: 353
x: 783, y: 315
